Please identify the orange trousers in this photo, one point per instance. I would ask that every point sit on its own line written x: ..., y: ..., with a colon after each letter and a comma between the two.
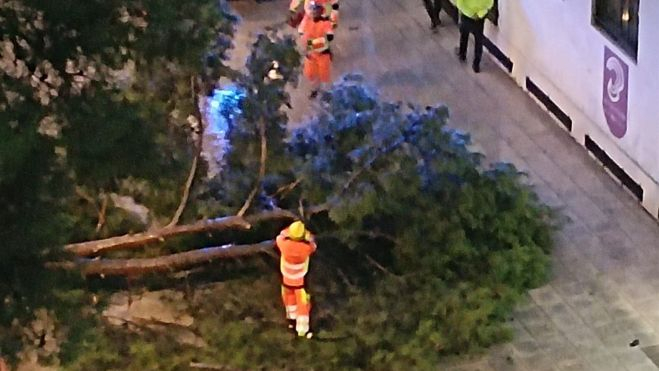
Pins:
x: 298, y: 306
x: 317, y: 67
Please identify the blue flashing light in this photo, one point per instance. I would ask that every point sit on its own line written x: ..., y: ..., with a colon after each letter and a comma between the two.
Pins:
x: 224, y: 107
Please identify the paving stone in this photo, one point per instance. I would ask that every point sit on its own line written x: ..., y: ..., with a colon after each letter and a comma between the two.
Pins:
x: 577, y: 366
x: 539, y: 361
x: 529, y: 313
x: 561, y: 270
x: 527, y: 348
x: 552, y: 342
x: 613, y: 336
x: 610, y: 202
x: 639, y: 225
x: 546, y: 193
x: 619, y: 308
x: 564, y: 317
x: 585, y: 339
x: 634, y: 324
x: 503, y: 357
x: 652, y: 352
x: 564, y: 355
x: 633, y: 357
x: 642, y: 367
x: 542, y: 329
x: 517, y: 137
x: 587, y: 210
x: 519, y: 331
x: 478, y: 365
x: 589, y: 309
x: 645, y: 338
x: 602, y: 361
x: 647, y: 305
x: 545, y: 296
x: 551, y: 173
x: 575, y: 291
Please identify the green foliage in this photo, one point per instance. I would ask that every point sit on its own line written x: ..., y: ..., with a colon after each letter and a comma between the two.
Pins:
x: 423, y: 251
x: 95, y: 99
x: 110, y: 349
x: 262, y: 105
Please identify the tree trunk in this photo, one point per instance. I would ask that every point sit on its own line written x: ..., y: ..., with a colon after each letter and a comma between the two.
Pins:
x: 90, y: 248
x: 173, y: 262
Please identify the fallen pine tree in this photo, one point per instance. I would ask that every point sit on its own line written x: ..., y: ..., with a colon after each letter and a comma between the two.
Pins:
x: 423, y: 249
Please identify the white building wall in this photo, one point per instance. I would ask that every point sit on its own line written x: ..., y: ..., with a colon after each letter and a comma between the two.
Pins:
x: 554, y: 43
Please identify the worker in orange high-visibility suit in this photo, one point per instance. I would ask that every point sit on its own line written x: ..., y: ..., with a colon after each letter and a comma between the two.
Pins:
x: 316, y: 37
x: 296, y: 244
x: 330, y: 11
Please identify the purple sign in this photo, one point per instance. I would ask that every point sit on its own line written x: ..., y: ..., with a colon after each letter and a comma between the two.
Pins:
x: 616, y: 87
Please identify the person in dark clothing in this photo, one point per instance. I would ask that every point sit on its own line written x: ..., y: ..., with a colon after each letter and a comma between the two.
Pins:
x: 475, y: 27
x: 472, y: 20
x: 433, y: 7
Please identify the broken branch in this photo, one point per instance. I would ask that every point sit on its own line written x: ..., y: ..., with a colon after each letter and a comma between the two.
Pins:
x: 172, y: 262
x: 379, y: 266
x: 259, y: 179
x: 80, y: 192
x: 90, y: 248
x: 193, y: 167
x: 186, y: 192
x: 283, y: 190
x: 101, y: 213
x: 139, y: 239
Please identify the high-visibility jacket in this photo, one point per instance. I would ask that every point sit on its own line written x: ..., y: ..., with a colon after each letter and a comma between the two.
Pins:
x: 330, y: 9
x: 294, y: 261
x: 316, y: 35
x: 474, y: 9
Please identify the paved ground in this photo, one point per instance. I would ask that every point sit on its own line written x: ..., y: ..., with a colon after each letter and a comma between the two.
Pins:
x: 605, y: 290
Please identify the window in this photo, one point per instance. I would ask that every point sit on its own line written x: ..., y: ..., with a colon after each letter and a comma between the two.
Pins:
x: 618, y: 19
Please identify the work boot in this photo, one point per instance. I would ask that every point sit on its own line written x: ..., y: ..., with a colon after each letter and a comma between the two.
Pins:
x: 304, y: 335
x: 302, y: 326
x: 461, y: 57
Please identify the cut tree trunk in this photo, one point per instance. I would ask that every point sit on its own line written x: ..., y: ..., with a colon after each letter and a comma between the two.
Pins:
x: 91, y: 248
x: 169, y: 263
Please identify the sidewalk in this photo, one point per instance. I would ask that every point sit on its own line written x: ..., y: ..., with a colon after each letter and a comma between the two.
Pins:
x: 605, y: 290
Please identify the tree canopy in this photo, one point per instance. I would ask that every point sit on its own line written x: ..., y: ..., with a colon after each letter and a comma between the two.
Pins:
x: 424, y: 249
x: 98, y: 104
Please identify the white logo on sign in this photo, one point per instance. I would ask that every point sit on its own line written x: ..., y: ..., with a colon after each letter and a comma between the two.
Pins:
x: 616, y: 85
